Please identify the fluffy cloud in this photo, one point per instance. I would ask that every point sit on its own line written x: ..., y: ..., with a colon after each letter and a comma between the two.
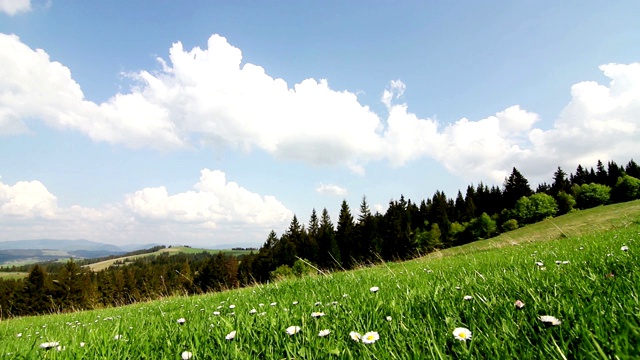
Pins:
x: 12, y: 7
x: 331, y: 190
x: 215, y: 212
x: 209, y: 97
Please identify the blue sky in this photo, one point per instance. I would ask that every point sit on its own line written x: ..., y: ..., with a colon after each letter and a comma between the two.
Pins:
x: 211, y: 123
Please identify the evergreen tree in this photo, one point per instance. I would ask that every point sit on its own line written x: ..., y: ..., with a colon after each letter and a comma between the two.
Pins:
x: 344, y: 234
x: 560, y: 182
x: 581, y: 177
x: 632, y: 169
x: 329, y: 252
x: 515, y: 187
x: 601, y: 174
x: 614, y: 172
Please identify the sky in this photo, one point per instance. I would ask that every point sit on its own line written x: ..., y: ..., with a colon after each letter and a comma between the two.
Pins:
x: 210, y: 123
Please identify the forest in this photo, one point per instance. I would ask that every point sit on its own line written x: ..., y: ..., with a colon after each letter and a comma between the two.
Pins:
x: 406, y: 230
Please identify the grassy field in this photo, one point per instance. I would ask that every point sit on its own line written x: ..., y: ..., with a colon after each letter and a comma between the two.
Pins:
x: 173, y: 250
x: 13, y: 275
x: 588, y: 279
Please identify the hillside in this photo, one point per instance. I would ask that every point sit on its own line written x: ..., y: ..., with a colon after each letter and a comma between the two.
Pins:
x: 458, y: 303
x: 172, y: 250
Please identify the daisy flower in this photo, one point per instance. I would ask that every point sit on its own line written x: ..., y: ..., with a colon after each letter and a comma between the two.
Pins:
x: 49, y: 345
x: 118, y: 337
x: 468, y: 297
x: 273, y: 304
x: 231, y: 335
x: 519, y: 304
x: 374, y: 289
x: 292, y: 330
x: 253, y: 311
x: 624, y: 248
x: 181, y: 321
x: 550, y: 320
x: 462, y: 334
x: 388, y: 318
x: 82, y: 344
x: 355, y: 336
x: 370, y: 337
x: 186, y: 355
x: 317, y: 314
x: 324, y: 332
x: 216, y: 313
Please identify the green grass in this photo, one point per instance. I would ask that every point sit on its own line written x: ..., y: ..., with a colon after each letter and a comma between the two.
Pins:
x: 595, y: 295
x: 172, y: 250
x: 13, y: 275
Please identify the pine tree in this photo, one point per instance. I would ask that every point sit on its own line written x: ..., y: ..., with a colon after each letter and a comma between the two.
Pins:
x: 328, y: 250
x: 344, y: 235
x: 515, y: 187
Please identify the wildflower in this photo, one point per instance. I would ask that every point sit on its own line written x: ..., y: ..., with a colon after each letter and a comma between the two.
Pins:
x: 539, y: 263
x: 19, y: 335
x: 550, y: 320
x: 565, y: 262
x: 468, y: 297
x: 558, y: 262
x: 355, y: 336
x: 49, y: 345
x: 317, y: 314
x: 82, y: 344
x: 61, y: 348
x: 231, y: 335
x: 345, y: 295
x: 216, y: 313
x: 581, y: 247
x: 273, y: 304
x: 291, y: 330
x: 181, y: 321
x: 388, y: 318
x: 519, y: 304
x: 458, y: 288
x: 624, y: 248
x: 295, y: 303
x: 324, y: 332
x: 117, y: 337
x: 232, y: 306
x: 318, y: 303
x: 186, y: 355
x: 374, y: 289
x: 370, y: 337
x: 253, y: 311
x: 462, y: 334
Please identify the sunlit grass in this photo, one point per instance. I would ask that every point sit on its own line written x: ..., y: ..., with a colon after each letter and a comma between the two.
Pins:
x: 414, y: 312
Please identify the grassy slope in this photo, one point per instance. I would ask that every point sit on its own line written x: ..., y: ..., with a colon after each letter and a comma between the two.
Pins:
x: 176, y: 249
x: 595, y: 296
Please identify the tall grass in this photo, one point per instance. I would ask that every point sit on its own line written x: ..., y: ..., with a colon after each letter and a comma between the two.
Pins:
x: 417, y: 307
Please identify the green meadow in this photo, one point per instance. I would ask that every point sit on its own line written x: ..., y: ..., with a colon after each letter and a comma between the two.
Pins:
x: 581, y: 269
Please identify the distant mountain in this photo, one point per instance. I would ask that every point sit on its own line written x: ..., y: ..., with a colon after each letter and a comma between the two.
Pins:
x: 62, y: 245
x: 32, y: 251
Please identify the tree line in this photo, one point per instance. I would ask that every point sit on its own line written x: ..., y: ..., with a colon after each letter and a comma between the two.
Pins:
x: 407, y: 229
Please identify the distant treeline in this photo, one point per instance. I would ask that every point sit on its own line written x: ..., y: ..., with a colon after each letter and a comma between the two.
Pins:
x: 407, y: 229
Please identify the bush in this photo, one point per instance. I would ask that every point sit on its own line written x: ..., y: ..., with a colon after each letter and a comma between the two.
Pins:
x: 281, y: 272
x: 591, y: 195
x: 627, y: 188
x: 510, y: 225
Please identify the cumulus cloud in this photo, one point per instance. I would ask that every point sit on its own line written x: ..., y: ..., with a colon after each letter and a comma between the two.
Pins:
x: 216, y: 211
x: 208, y: 97
x: 331, y: 190
x: 12, y: 7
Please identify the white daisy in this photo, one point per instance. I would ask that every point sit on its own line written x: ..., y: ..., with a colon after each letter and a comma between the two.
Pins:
x: 468, y: 297
x: 231, y: 335
x: 253, y: 311
x: 462, y: 334
x: 317, y: 314
x: 355, y: 336
x: 519, y: 304
x: 181, y: 321
x: 388, y: 318
x: 118, y: 337
x: 186, y: 355
x: 370, y: 337
x: 49, y: 345
x: 324, y: 332
x: 82, y: 344
x: 232, y: 306
x: 291, y: 330
x: 273, y: 304
x: 550, y: 320
x: 374, y: 289
x: 624, y: 248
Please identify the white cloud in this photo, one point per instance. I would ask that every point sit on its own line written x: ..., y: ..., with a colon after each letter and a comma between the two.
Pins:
x: 208, y: 97
x: 331, y: 190
x: 12, y: 7
x: 215, y: 211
